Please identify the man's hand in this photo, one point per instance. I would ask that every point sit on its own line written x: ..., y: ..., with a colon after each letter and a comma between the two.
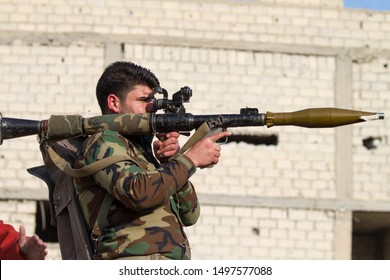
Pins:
x: 166, y: 146
x: 32, y: 248
x: 206, y: 152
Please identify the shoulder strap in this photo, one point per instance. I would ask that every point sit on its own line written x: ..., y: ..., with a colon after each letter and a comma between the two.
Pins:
x: 196, y: 137
x: 101, y: 220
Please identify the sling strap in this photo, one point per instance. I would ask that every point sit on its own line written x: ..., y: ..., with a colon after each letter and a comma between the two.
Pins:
x: 196, y: 137
x: 101, y: 220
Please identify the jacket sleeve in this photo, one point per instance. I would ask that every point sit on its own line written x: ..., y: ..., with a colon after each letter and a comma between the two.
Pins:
x: 188, y: 204
x: 9, y: 248
x: 134, y: 187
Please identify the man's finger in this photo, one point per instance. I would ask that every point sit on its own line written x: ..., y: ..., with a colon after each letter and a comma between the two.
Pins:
x: 161, y: 136
x: 174, y: 134
x: 215, y: 137
x: 22, y: 235
x: 164, y: 136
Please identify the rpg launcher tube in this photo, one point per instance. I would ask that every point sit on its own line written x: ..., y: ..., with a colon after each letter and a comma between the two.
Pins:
x: 13, y: 128
x: 65, y: 126
x: 321, y: 117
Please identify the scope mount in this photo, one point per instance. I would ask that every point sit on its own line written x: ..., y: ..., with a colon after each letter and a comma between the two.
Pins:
x: 174, y: 105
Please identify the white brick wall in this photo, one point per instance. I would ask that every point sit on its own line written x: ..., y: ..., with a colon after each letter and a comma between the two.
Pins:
x: 39, y: 81
x: 284, y: 23
x: 371, y: 87
x: 260, y: 233
x: 277, y: 55
x: 19, y: 212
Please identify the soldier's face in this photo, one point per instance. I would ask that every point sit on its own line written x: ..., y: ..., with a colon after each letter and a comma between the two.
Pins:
x: 138, y: 101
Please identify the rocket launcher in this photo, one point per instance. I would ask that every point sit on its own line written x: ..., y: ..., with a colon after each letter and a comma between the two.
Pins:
x: 176, y: 119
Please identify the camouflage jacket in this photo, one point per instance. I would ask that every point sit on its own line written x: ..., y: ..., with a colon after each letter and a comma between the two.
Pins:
x: 151, y: 203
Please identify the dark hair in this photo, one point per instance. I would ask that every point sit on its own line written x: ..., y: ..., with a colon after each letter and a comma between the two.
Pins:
x: 121, y: 77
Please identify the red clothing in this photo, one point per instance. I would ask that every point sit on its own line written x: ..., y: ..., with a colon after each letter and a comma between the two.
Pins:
x: 9, y: 248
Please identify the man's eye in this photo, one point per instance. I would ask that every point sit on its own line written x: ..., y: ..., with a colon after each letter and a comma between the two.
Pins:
x: 147, y: 99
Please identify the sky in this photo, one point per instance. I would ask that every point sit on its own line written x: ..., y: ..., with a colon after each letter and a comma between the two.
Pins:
x: 383, y: 5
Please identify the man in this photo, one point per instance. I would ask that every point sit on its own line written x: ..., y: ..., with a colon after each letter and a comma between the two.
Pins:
x: 17, y: 246
x: 152, y: 198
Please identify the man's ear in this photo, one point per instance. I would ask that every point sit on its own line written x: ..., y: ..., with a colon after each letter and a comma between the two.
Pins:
x: 113, y: 103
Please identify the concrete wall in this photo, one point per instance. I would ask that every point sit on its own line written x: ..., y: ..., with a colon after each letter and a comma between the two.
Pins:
x: 292, y: 200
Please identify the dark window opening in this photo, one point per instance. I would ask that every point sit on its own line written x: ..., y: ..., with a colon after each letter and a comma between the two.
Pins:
x: 371, y: 236
x: 254, y: 139
x: 44, y: 229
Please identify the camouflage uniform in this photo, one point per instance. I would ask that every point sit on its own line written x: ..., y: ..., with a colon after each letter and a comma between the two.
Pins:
x: 152, y: 203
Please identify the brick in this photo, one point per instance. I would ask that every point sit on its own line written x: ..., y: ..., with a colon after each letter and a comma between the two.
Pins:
x: 28, y: 207
x: 224, y: 211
